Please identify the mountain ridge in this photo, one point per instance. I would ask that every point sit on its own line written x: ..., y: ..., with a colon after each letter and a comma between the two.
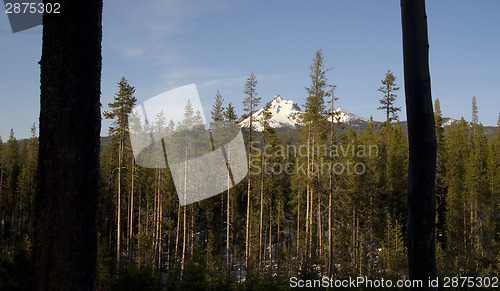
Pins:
x: 287, y: 114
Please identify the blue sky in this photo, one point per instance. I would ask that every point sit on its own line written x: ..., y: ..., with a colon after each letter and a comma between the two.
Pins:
x: 160, y: 45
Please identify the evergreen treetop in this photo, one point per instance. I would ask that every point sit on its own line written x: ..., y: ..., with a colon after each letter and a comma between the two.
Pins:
x: 475, y: 115
x: 123, y: 103
x: 389, y: 88
x: 218, y: 108
x: 251, y: 101
x: 230, y: 114
x: 319, y: 89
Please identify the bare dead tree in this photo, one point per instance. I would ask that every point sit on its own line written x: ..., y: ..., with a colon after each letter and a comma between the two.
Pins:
x: 422, y: 143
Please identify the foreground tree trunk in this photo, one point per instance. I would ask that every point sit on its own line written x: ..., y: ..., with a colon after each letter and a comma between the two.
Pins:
x: 70, y: 124
x: 422, y: 143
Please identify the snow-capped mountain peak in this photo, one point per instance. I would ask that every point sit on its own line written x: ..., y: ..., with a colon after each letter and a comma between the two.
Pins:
x: 287, y: 113
x: 284, y: 113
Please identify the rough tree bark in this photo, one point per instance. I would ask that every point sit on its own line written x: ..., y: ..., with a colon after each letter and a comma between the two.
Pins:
x: 422, y: 143
x: 70, y: 123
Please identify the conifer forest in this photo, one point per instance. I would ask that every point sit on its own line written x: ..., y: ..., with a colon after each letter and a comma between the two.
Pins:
x: 327, y: 199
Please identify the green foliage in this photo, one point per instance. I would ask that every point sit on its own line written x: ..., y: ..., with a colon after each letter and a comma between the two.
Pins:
x: 457, y: 152
x: 131, y: 278
x: 251, y: 102
x: 230, y: 113
x: 121, y: 107
x: 368, y: 231
x: 389, y: 88
x: 218, y: 108
x: 393, y: 255
x: 17, y: 273
x: 440, y: 174
x: 318, y: 90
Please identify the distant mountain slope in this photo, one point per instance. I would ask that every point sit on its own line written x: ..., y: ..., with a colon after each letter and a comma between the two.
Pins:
x: 288, y: 114
x: 284, y: 113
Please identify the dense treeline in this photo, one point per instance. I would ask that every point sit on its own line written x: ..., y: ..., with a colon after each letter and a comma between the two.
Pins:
x: 331, y: 204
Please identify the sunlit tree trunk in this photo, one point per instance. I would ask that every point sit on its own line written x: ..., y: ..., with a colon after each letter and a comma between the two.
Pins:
x: 311, y: 196
x: 118, y: 198
x: 184, y: 208
x: 308, y: 192
x: 131, y: 216
x: 298, y: 226
x: 270, y: 235
x: 261, y: 222
x: 178, y: 228
x: 139, y: 229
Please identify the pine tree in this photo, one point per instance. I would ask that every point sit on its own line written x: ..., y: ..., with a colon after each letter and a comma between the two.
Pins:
x: 272, y: 189
x: 27, y: 186
x: 318, y: 91
x: 185, y: 127
x: 230, y: 114
x: 478, y: 196
x: 13, y: 170
x: 250, y: 103
x: 396, y: 173
x: 457, y: 221
x: 369, y: 184
x: 122, y: 106
x: 230, y: 119
x: 393, y: 251
x: 440, y: 173
x: 218, y: 108
x: 389, y: 88
x: 332, y: 142
x: 313, y: 136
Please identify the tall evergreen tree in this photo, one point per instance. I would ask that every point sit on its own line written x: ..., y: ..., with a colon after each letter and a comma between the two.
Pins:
x: 313, y: 136
x: 250, y: 104
x: 389, y: 89
x: 457, y: 151
x: 478, y: 196
x: 393, y: 250
x: 27, y: 186
x: 123, y: 103
x: 396, y: 173
x: 318, y: 91
x: 10, y: 199
x: 230, y: 119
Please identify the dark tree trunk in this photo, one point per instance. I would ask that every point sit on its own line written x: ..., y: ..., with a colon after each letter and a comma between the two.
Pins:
x: 422, y: 143
x: 70, y: 124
